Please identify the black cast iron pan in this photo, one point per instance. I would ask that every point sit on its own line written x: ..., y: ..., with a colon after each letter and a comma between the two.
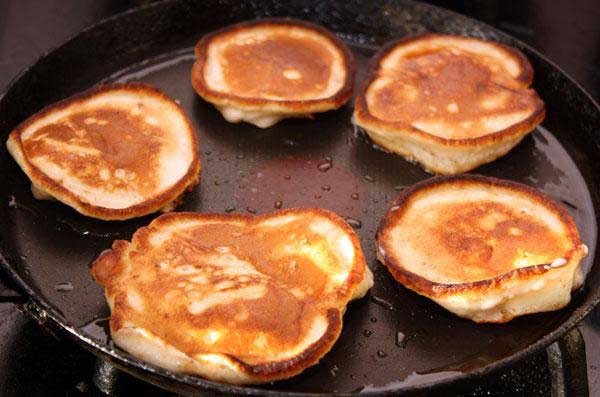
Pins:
x: 393, y: 340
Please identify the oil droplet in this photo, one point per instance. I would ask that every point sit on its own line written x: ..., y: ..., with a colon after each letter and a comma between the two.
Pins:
x: 355, y: 223
x: 325, y: 166
x: 401, y: 340
x: 251, y: 210
x: 367, y: 333
x: 64, y: 287
x: 399, y: 187
x: 326, y: 188
x: 369, y: 178
x: 354, y: 196
x: 287, y: 177
x: 381, y: 354
x: 82, y: 387
x: 229, y: 209
x: 334, y: 370
x: 217, y: 183
x: 382, y: 302
x: 208, y: 152
x: 373, y: 319
x: 278, y: 204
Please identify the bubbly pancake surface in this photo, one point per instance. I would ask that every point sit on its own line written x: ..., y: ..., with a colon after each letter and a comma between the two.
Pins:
x: 91, y: 147
x: 254, y: 291
x: 279, y: 67
x: 274, y: 60
x: 113, y: 148
x: 477, y: 235
x: 483, y: 248
x: 452, y: 87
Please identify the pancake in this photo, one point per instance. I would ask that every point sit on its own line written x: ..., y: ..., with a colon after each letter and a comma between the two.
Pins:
x: 450, y: 103
x: 114, y: 152
x: 263, y: 71
x: 233, y: 298
x: 484, y: 248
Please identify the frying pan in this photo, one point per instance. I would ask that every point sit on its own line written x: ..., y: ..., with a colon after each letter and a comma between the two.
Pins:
x: 393, y: 340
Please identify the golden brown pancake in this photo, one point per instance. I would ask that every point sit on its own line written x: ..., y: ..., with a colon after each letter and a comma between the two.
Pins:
x: 233, y: 298
x: 114, y: 152
x: 450, y: 103
x: 484, y: 248
x: 266, y: 70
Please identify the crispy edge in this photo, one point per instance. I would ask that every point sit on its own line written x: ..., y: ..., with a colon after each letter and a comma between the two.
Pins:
x: 55, y: 189
x: 109, y: 265
x: 365, y: 119
x: 262, y: 104
x: 432, y: 289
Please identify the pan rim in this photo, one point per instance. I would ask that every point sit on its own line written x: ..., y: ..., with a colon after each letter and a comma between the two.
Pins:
x: 123, y: 359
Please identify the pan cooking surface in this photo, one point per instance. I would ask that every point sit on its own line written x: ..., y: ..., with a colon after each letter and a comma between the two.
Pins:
x: 392, y: 338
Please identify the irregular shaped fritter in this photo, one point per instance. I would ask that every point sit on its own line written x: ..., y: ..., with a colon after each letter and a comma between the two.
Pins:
x: 233, y: 298
x: 263, y: 71
x: 114, y: 152
x: 450, y: 103
x: 483, y: 248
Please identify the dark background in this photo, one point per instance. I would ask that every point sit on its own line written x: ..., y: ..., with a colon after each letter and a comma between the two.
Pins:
x: 33, y: 363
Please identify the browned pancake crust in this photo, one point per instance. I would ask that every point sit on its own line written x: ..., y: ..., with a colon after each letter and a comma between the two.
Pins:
x: 266, y: 315
x: 431, y: 288
x: 241, y: 75
x: 525, y: 78
x: 191, y: 178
